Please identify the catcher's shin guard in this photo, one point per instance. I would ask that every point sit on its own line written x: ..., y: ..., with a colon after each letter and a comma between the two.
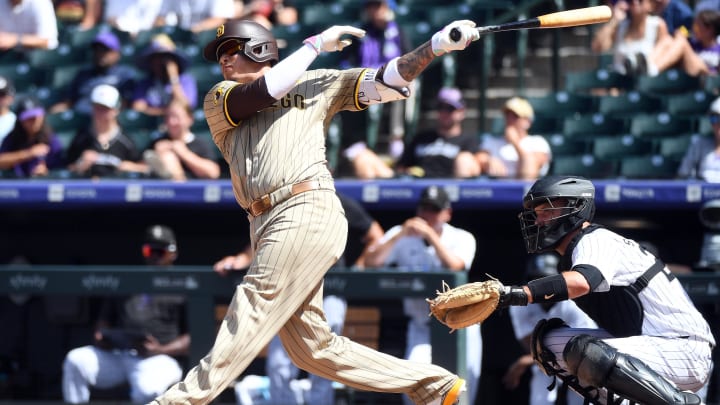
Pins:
x: 601, y: 365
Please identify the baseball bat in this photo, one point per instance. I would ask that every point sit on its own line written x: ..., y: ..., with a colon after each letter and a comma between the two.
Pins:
x: 560, y: 19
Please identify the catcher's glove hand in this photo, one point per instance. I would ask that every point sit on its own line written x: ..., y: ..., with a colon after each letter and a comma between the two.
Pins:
x: 472, y: 303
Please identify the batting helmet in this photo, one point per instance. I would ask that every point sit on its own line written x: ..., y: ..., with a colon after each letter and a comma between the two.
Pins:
x: 571, y: 198
x: 259, y: 43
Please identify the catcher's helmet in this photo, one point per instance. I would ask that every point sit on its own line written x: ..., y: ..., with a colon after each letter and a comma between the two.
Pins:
x: 260, y: 44
x: 572, y: 199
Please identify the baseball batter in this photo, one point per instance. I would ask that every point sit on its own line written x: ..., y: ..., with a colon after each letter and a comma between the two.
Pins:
x: 268, y: 118
x: 653, y: 346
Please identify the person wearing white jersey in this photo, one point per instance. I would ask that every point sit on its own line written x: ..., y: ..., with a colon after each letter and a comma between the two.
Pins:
x: 427, y: 242
x: 653, y: 346
x: 269, y: 119
x: 523, y: 321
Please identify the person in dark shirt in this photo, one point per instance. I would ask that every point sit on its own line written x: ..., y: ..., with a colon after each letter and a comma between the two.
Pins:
x: 444, y: 151
x: 102, y: 149
x: 138, y: 339
x: 105, y: 69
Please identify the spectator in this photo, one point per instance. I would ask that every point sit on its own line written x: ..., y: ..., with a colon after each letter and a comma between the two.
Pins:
x: 167, y: 78
x: 382, y: 42
x: 102, y: 149
x: 518, y: 154
x: 178, y: 154
x: 677, y: 14
x: 31, y: 148
x: 132, y: 16
x: 139, y: 340
x: 268, y: 13
x: 7, y: 116
x: 702, y: 159
x: 427, y: 242
x: 363, y: 233
x: 85, y: 14
x: 195, y: 15
x: 445, y: 151
x: 105, y: 69
x: 699, y: 54
x: 524, y: 320
x: 634, y: 36
x: 28, y: 24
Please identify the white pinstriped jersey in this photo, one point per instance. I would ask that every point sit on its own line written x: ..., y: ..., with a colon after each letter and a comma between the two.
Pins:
x: 668, y: 311
x: 284, y: 143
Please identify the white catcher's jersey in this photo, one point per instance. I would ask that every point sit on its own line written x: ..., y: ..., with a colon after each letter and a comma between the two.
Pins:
x: 668, y: 311
x: 285, y: 143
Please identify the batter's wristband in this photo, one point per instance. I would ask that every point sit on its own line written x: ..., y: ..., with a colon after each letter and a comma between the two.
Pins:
x: 549, y: 289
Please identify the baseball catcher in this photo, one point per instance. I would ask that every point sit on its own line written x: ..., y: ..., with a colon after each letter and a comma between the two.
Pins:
x: 653, y: 346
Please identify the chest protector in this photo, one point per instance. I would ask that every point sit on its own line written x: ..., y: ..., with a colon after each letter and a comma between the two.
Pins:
x: 619, y: 310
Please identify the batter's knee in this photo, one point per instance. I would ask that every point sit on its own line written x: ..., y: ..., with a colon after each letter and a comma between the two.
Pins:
x: 544, y: 357
x: 590, y: 359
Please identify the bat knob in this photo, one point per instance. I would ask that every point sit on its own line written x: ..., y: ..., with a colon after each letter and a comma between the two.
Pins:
x: 455, y: 34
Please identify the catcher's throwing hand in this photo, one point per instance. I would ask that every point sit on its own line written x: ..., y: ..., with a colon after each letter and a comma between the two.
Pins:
x: 472, y: 303
x: 442, y: 43
x: 329, y: 40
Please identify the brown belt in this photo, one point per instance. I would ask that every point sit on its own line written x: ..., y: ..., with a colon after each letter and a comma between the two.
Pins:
x: 264, y: 203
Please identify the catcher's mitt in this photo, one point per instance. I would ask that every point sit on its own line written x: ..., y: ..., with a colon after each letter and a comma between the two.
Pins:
x: 467, y: 304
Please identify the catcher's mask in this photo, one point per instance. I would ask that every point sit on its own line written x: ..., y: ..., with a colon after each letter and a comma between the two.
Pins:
x: 248, y: 37
x: 568, y: 201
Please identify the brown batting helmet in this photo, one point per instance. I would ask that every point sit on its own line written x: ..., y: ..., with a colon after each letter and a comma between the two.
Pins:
x: 260, y: 44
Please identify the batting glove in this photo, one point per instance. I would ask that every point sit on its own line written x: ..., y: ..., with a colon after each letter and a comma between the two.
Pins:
x: 329, y: 40
x: 442, y: 42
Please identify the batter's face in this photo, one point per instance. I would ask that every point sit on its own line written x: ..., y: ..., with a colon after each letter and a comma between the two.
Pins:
x: 236, y: 66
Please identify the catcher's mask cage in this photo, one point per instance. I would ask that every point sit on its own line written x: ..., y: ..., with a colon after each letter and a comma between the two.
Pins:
x: 570, y: 200
x: 253, y: 40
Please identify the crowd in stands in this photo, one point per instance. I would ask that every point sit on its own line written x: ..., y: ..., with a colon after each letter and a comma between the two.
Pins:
x: 54, y: 54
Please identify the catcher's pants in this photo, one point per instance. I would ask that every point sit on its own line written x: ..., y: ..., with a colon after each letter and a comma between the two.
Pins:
x: 685, y: 362
x: 295, y: 244
x: 88, y: 366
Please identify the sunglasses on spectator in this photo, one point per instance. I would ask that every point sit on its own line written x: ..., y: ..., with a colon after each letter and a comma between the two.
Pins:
x: 446, y: 108
x: 714, y: 119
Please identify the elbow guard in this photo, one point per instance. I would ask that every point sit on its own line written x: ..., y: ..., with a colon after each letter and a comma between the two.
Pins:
x: 371, y: 90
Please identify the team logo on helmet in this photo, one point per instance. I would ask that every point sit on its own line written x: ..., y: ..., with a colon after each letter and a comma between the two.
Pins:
x: 220, y: 31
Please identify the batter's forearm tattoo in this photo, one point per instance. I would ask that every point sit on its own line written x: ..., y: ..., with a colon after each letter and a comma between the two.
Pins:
x: 414, y: 62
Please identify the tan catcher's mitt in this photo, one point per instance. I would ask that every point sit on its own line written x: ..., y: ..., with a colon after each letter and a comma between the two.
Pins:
x: 467, y: 304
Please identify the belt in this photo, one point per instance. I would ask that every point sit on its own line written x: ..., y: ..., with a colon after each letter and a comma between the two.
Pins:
x: 266, y: 202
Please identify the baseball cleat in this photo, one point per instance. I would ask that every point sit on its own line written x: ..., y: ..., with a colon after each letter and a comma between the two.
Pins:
x: 453, y: 395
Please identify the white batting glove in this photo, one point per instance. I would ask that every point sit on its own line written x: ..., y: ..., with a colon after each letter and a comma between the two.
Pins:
x: 442, y: 43
x: 329, y: 40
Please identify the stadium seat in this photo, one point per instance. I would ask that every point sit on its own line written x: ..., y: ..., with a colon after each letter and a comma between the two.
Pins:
x: 542, y: 125
x: 417, y: 32
x: 290, y: 37
x: 667, y: 82
x: 648, y: 167
x: 628, y: 104
x: 67, y: 120
x: 690, y: 104
x: 704, y: 126
x: 593, y: 124
x: 132, y: 120
x: 585, y: 165
x: 596, y: 81
x: 561, y: 104
x: 405, y: 14
x: 141, y: 137
x: 323, y: 16
x: 63, y: 55
x: 199, y: 121
x: 711, y: 84
x: 619, y: 147
x: 24, y: 77
x: 177, y: 34
x: 440, y: 15
x: 62, y: 76
x: 206, y: 76
x: 562, y: 146
x: 674, y: 147
x: 658, y: 125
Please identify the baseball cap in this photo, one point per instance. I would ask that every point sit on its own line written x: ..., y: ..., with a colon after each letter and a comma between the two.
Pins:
x: 161, y: 235
x: 107, y: 39
x: 162, y: 45
x: 106, y: 95
x: 452, y: 97
x: 715, y: 107
x: 28, y: 108
x: 435, y: 196
x: 6, y: 86
x: 520, y: 107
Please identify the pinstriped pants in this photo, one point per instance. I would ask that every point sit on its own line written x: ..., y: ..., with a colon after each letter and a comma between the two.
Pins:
x: 295, y: 244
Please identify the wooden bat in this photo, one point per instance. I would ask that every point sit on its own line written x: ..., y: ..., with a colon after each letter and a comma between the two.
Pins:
x: 568, y: 18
